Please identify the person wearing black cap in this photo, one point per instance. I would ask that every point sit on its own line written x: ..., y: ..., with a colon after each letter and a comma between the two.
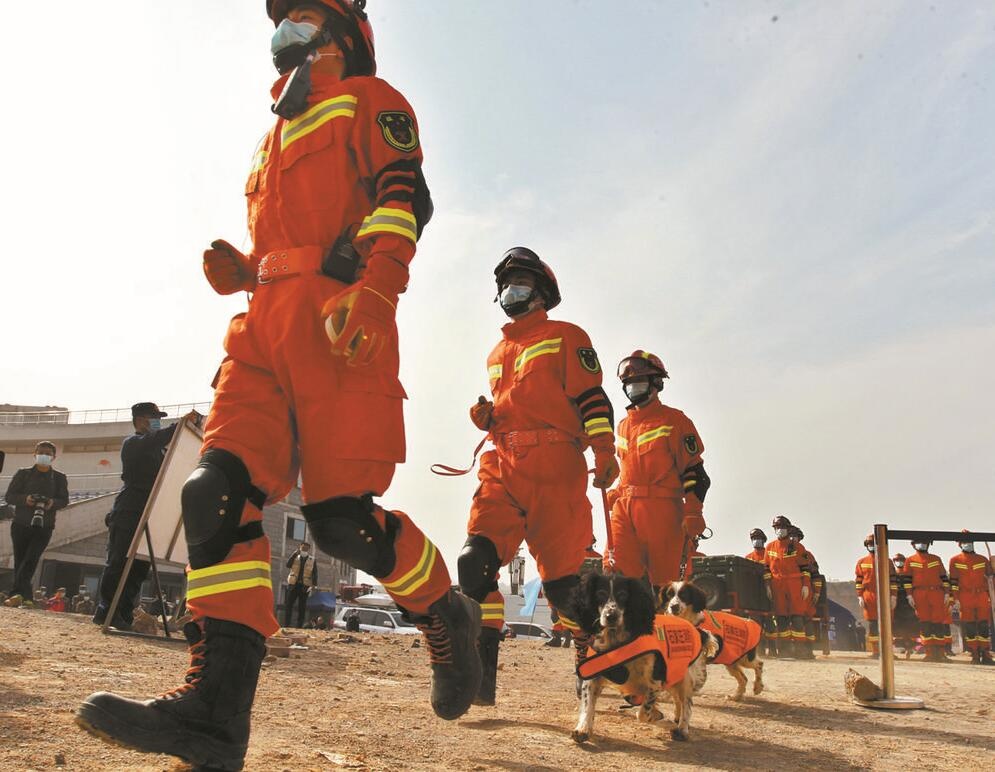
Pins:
x: 141, y: 456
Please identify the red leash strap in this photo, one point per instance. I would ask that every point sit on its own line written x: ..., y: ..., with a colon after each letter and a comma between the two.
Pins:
x: 451, y: 471
x: 609, y: 541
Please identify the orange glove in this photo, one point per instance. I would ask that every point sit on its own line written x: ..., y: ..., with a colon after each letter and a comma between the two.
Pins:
x: 227, y: 269
x: 359, y: 321
x: 613, y: 495
x: 693, y: 525
x: 482, y: 413
x: 605, y: 468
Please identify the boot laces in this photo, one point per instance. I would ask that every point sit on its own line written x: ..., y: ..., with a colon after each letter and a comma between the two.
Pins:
x: 440, y: 647
x: 195, y: 672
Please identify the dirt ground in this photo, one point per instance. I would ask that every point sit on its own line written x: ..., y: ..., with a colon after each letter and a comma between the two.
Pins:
x: 361, y: 702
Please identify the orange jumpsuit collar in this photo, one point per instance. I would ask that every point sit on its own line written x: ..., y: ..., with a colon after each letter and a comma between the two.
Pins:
x: 516, y: 328
x: 651, y: 409
x: 320, y: 81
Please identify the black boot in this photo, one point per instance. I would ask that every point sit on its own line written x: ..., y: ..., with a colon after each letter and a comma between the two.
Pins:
x: 490, y: 642
x: 451, y: 628
x: 206, y: 720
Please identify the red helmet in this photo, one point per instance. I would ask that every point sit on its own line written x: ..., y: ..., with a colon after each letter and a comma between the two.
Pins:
x: 797, y: 532
x: 756, y: 533
x: 869, y: 540
x: 524, y: 259
x: 641, y: 363
x: 349, y: 26
x: 780, y: 522
x: 899, y: 558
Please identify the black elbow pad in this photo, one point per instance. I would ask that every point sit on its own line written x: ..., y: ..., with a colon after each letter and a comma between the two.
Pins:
x: 696, y: 481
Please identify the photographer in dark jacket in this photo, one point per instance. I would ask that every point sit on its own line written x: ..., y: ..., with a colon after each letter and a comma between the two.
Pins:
x: 36, y: 493
x: 141, y: 456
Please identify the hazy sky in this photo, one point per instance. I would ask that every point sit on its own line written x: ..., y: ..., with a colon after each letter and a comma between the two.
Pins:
x: 793, y: 203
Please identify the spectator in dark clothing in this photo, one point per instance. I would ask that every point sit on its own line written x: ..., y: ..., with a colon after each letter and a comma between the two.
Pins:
x: 303, y: 576
x: 141, y: 456
x: 36, y: 493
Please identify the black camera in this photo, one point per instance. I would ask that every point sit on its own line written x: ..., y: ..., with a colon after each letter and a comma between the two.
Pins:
x: 38, y: 516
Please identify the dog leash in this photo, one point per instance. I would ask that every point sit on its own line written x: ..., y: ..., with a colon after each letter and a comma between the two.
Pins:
x: 609, y: 541
x: 684, y: 558
x: 450, y: 471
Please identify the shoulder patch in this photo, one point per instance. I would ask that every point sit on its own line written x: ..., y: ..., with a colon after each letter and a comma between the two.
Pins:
x: 398, y: 130
x: 589, y: 360
x: 691, y: 444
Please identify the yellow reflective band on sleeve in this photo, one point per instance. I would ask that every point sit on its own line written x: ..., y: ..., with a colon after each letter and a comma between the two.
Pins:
x: 491, y: 611
x: 549, y: 346
x: 494, y: 372
x: 595, y: 426
x: 933, y: 564
x: 568, y: 623
x: 343, y: 106
x: 976, y: 565
x: 386, y: 219
x: 418, y: 575
x: 259, y: 161
x: 227, y: 577
x: 622, y: 442
x: 690, y: 484
x: 653, y: 434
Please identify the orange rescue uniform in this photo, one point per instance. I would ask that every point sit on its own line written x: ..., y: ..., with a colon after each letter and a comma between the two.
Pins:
x: 757, y: 556
x: 548, y: 406
x: 656, y: 445
x: 787, y: 573
x: 737, y: 636
x: 866, y: 586
x: 928, y: 584
x: 969, y: 574
x: 283, y: 404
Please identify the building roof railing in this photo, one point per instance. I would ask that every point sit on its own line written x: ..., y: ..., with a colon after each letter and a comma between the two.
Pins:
x: 101, y: 416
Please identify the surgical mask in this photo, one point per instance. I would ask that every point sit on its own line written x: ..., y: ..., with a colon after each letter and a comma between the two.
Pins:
x: 291, y: 33
x: 870, y: 548
x: 920, y: 547
x: 154, y: 424
x: 758, y: 544
x: 781, y: 532
x: 515, y: 299
x: 305, y: 550
x: 967, y: 546
x: 636, y: 391
x: 43, y: 459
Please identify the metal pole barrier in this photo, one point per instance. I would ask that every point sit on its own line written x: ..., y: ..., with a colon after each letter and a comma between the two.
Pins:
x: 158, y: 587
x: 882, y: 576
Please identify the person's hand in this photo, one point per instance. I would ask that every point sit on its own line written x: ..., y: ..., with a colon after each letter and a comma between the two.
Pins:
x: 805, y: 592
x: 613, y: 496
x: 482, y: 413
x: 912, y: 601
x: 605, y: 468
x: 693, y: 525
x: 227, y: 269
x: 30, y: 499
x: 359, y: 321
x: 894, y: 602
x: 860, y: 602
x: 770, y: 595
x: 194, y: 417
x: 946, y: 599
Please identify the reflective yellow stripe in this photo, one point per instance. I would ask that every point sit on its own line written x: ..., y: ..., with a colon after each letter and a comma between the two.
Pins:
x: 259, y: 161
x: 389, y: 220
x: 653, y: 434
x: 690, y: 484
x: 418, y: 575
x: 550, y: 346
x: 976, y: 565
x: 962, y: 565
x: 597, y: 426
x: 492, y: 611
x: 494, y: 371
x: 622, y: 442
x: 569, y: 624
x: 934, y: 564
x: 227, y: 577
x: 343, y: 106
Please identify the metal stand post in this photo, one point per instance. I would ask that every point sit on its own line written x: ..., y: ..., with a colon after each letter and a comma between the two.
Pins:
x: 158, y: 587
x: 882, y: 575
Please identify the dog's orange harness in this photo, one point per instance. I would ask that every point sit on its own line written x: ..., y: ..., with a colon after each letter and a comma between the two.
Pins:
x: 675, y: 641
x: 737, y: 636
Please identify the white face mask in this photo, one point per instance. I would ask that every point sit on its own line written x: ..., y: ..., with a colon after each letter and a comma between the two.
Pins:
x: 758, y: 544
x: 43, y: 459
x: 967, y: 546
x: 636, y: 391
x: 305, y: 550
x: 870, y: 548
x: 289, y: 33
x: 920, y: 547
x: 781, y: 532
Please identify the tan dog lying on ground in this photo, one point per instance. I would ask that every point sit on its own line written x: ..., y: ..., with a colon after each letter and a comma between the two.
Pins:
x: 636, y: 651
x: 738, y: 637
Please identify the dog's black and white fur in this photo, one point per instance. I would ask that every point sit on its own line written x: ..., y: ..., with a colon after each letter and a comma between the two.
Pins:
x: 684, y: 600
x: 614, y: 610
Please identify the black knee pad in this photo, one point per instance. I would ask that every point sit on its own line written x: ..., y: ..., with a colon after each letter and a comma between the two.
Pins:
x: 477, y: 567
x: 798, y: 622
x: 560, y: 593
x: 345, y: 528
x: 212, y: 501
x: 873, y: 625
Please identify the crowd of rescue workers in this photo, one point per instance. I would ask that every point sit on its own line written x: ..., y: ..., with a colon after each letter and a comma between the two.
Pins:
x: 309, y: 387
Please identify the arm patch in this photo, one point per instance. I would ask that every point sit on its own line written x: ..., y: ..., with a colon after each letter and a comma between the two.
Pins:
x: 589, y: 360
x: 398, y: 130
x: 691, y: 444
